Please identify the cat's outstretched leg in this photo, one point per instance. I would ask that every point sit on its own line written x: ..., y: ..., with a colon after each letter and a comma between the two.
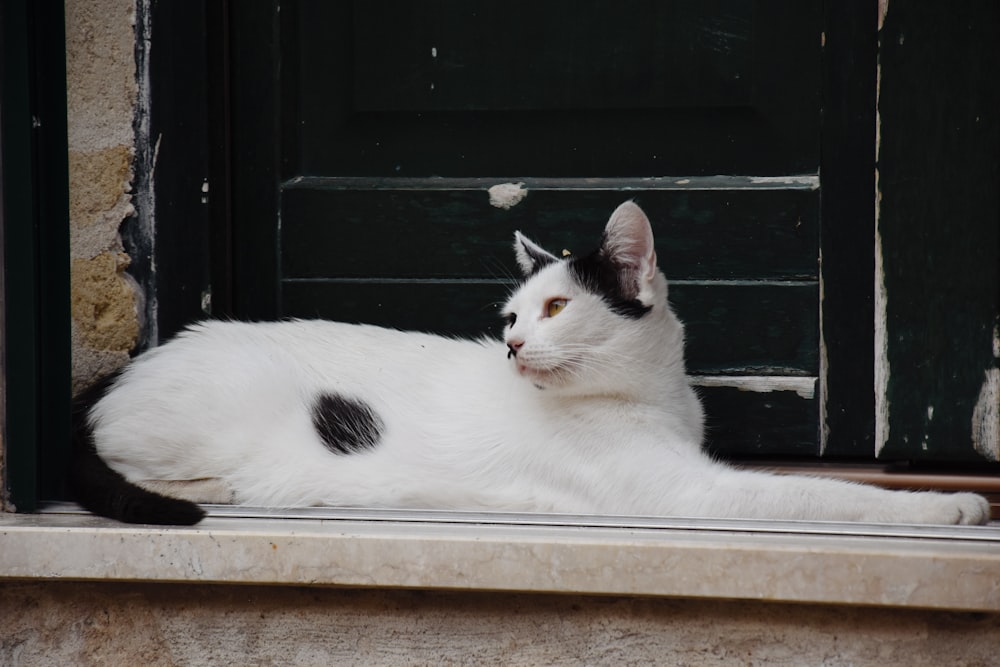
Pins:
x: 751, y: 494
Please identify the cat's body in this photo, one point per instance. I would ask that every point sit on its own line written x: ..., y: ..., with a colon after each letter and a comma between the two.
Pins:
x: 585, y: 408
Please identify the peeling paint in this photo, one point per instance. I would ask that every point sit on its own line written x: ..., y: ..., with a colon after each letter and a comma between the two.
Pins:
x: 986, y: 414
x: 986, y: 417
x: 824, y: 365
x: 805, y: 387
x: 808, y: 180
x: 507, y: 195
x: 880, y: 296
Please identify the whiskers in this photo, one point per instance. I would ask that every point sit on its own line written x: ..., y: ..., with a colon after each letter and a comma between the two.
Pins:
x: 580, y: 362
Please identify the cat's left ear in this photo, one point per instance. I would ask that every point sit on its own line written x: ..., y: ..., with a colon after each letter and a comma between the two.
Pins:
x: 628, y: 243
x: 530, y: 256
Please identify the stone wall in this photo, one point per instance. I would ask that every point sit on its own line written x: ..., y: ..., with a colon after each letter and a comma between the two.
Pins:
x: 101, y: 98
x: 62, y: 623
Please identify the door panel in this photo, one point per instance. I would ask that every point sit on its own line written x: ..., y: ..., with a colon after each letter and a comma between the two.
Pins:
x: 706, y: 229
x: 562, y: 88
x: 373, y: 203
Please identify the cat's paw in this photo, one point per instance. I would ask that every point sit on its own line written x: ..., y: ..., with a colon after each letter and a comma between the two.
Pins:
x: 967, y: 509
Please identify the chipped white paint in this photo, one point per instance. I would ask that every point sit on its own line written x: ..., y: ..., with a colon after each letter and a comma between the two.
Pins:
x: 986, y: 414
x: 507, y: 195
x: 824, y: 366
x: 881, y: 342
x: 805, y: 387
x: 880, y: 296
x: 809, y: 180
x: 986, y: 417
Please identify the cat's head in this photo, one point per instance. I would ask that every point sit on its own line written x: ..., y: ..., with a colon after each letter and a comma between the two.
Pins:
x: 590, y: 323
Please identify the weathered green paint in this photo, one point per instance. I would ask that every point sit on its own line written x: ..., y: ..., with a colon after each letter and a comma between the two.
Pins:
x: 940, y: 226
x: 459, y: 56
x: 444, y: 227
x: 382, y: 218
x: 847, y: 227
x: 655, y: 122
x: 35, y: 227
x: 745, y: 424
x: 750, y: 328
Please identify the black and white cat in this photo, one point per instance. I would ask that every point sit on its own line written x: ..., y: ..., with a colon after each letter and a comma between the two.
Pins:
x: 584, y: 408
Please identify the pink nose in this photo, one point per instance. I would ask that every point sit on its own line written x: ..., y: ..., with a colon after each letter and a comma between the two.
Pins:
x: 514, y: 346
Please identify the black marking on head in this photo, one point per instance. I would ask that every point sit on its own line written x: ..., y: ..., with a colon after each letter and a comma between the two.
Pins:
x: 597, y: 274
x: 346, y: 425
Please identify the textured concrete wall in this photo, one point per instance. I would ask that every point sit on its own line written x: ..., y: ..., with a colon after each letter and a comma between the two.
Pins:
x: 101, y: 96
x: 115, y: 624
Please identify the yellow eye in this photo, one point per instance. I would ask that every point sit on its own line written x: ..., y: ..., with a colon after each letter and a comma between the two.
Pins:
x: 555, y: 306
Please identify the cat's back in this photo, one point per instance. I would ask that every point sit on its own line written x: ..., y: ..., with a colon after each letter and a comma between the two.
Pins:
x: 310, y: 353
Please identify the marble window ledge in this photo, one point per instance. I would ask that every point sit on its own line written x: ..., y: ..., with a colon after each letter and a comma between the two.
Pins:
x: 956, y: 568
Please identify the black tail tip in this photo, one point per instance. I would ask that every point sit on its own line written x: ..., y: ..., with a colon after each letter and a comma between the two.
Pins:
x: 166, y: 512
x: 142, y: 506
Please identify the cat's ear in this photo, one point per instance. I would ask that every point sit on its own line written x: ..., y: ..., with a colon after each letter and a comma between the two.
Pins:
x: 530, y: 256
x: 628, y: 243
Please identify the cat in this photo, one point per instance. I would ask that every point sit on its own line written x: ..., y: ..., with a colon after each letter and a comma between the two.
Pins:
x: 583, y: 408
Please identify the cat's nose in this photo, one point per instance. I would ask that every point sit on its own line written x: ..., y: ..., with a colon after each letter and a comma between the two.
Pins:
x: 513, y: 346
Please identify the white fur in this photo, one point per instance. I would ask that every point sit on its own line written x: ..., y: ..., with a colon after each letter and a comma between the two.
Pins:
x: 593, y: 415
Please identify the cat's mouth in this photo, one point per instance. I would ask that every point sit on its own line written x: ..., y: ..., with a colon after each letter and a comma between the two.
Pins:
x: 542, y: 377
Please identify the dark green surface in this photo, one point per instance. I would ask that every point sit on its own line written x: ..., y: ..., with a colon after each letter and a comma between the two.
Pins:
x: 940, y: 220
x: 691, y: 117
x: 454, y: 55
x: 748, y: 424
x: 754, y: 328
x: 437, y: 227
x: 36, y: 250
x: 382, y: 218
x: 848, y: 226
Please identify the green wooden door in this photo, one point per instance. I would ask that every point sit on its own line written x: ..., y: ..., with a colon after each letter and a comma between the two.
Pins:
x: 394, y: 120
x: 366, y: 137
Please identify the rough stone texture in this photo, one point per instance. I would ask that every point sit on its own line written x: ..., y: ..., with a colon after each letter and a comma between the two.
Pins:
x: 101, y: 94
x: 114, y: 624
x: 103, y: 302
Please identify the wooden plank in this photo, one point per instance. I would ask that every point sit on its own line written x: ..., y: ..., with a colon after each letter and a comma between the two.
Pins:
x: 741, y: 328
x: 847, y: 228
x: 455, y: 55
x: 746, y: 424
x: 255, y: 32
x: 34, y: 247
x: 939, y: 232
x: 447, y: 227
x: 774, y: 132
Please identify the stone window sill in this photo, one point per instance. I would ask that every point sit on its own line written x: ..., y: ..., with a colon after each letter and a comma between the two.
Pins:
x: 955, y: 568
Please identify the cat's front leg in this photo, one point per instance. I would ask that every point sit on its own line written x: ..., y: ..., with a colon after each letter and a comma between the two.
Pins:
x: 930, y: 507
x: 759, y: 495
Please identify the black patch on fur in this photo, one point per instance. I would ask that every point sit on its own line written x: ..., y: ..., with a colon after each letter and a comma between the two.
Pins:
x: 346, y: 425
x: 104, y: 491
x: 597, y: 274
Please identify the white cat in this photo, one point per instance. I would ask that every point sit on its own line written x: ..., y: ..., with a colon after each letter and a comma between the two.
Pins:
x: 585, y: 408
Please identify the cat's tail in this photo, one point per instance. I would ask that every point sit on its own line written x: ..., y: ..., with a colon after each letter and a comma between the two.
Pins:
x: 104, y: 491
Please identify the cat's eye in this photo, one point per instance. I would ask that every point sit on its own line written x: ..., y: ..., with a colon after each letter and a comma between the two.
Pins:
x: 555, y: 306
x: 511, y: 319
